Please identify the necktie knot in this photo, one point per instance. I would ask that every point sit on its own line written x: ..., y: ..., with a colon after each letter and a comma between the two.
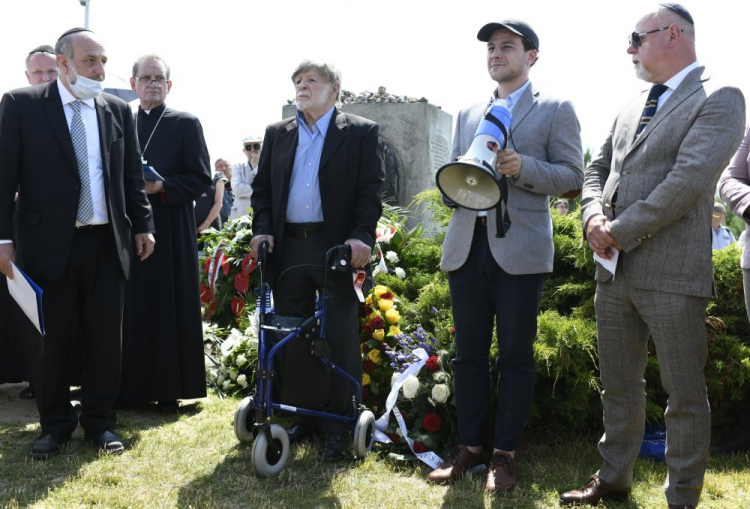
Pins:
x: 657, y: 91
x: 76, y: 105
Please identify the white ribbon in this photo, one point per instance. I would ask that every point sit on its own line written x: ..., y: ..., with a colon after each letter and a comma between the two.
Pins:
x: 381, y: 425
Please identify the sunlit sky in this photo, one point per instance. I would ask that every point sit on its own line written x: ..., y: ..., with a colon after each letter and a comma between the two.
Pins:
x: 232, y: 60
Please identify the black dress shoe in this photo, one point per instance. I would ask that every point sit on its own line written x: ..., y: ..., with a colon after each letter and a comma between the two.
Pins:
x: 332, y: 446
x: 106, y: 441
x: 298, y: 432
x: 27, y: 393
x: 168, y: 407
x: 48, y: 445
x: 594, y: 491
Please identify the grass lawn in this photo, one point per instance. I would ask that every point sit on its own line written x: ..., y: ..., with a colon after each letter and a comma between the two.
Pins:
x: 194, y: 460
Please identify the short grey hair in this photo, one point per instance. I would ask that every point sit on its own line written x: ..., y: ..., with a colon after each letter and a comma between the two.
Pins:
x: 64, y: 46
x: 325, y: 69
x: 149, y: 58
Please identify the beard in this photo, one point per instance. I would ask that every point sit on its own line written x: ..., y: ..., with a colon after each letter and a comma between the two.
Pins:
x: 642, y: 73
x: 315, y: 101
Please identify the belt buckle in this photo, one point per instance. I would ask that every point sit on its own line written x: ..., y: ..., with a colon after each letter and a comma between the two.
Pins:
x: 304, y: 233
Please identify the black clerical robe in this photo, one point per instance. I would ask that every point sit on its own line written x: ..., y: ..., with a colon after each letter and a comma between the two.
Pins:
x: 162, y: 332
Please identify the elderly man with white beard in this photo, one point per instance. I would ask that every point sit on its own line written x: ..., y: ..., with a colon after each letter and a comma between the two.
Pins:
x: 319, y: 184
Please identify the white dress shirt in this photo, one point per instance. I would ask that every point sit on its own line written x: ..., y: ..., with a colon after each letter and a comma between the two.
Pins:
x: 96, y: 169
x: 674, y: 82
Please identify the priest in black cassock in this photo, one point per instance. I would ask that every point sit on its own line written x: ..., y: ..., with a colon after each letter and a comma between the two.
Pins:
x: 162, y: 332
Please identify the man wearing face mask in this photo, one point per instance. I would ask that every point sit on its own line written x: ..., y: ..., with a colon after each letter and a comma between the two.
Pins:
x: 72, y: 153
x: 15, y: 355
x: 243, y: 175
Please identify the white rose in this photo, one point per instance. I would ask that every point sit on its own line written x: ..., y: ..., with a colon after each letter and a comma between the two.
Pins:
x: 233, y: 374
x: 410, y: 387
x: 241, y: 359
x: 394, y: 378
x: 223, y: 369
x: 242, y: 380
x: 391, y: 256
x: 401, y: 273
x: 226, y: 385
x: 220, y: 380
x: 440, y: 393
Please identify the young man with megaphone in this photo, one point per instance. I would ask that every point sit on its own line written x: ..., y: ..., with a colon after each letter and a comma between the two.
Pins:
x: 498, y: 259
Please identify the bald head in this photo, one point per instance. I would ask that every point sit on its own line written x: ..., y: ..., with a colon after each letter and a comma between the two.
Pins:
x: 41, y: 66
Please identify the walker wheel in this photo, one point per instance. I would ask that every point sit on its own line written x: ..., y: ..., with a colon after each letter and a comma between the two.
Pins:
x: 244, y: 420
x: 264, y: 460
x: 364, y: 432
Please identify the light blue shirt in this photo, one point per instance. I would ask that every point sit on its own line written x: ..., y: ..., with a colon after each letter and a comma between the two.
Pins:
x: 513, y: 97
x: 304, y: 204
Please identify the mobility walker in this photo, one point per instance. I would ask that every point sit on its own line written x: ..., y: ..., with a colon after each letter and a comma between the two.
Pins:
x: 293, y: 376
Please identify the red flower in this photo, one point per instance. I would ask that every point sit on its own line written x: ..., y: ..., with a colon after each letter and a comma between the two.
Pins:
x: 364, y: 311
x: 205, y: 293
x: 249, y: 264
x: 225, y: 264
x: 365, y: 392
x: 453, y: 331
x: 432, y: 364
x: 364, y: 348
x: 367, y: 329
x: 368, y: 366
x: 394, y: 438
x: 241, y: 282
x: 432, y: 423
x: 238, y: 306
x: 208, y: 264
x: 377, y: 323
x: 386, y: 295
x: 420, y: 447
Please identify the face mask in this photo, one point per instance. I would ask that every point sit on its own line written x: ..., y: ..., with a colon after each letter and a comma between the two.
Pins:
x: 84, y: 88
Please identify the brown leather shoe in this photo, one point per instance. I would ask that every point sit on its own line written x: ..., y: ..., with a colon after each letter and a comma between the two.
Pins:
x: 460, y: 461
x: 595, y: 490
x: 503, y: 473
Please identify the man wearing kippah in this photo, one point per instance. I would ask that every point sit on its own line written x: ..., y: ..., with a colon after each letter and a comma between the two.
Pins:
x: 647, y: 200
x: 500, y: 279
x: 82, y: 214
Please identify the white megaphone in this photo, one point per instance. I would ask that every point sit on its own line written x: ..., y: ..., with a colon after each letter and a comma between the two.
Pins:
x: 471, y: 181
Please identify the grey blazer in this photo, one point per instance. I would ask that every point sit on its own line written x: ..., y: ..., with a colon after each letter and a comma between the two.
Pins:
x: 665, y: 182
x: 734, y: 188
x: 546, y: 132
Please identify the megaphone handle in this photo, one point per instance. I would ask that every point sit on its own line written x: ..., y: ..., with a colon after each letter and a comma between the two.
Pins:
x: 502, y: 223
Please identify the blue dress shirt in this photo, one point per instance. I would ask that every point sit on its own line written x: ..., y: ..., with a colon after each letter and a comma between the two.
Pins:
x: 304, y: 188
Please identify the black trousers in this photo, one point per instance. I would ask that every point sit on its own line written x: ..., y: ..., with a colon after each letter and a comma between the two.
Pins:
x: 89, y: 292
x: 294, y: 295
x: 483, y: 293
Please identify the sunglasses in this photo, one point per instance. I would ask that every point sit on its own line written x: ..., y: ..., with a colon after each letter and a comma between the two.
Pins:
x: 252, y: 146
x: 636, y: 39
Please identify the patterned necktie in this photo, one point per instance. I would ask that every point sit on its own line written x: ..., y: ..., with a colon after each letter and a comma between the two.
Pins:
x: 650, y: 109
x: 78, y: 135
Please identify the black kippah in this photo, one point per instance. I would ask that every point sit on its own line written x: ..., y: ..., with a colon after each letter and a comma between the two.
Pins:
x: 679, y: 10
x: 74, y: 31
x: 44, y: 48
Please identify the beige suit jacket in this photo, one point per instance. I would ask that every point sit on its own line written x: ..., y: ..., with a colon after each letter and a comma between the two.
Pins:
x: 665, y: 182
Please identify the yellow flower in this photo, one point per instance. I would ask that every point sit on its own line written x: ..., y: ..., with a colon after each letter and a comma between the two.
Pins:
x: 385, y: 304
x: 378, y: 334
x: 379, y: 290
x: 365, y: 379
x: 395, y: 330
x: 392, y: 315
x: 373, y: 316
x: 368, y: 300
x: 374, y: 355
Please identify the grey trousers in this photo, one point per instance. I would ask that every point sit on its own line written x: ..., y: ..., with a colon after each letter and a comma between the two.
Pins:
x: 626, y: 316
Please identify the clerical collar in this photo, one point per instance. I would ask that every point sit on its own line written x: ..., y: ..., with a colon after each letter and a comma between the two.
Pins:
x: 157, y: 109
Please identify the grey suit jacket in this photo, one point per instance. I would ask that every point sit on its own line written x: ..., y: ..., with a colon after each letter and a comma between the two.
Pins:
x: 546, y: 132
x: 734, y: 188
x: 665, y: 182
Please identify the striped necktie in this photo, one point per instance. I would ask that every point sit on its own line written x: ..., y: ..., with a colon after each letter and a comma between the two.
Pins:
x: 78, y: 135
x: 650, y: 109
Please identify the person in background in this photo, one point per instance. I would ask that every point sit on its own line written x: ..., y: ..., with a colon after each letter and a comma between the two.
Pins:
x: 243, y: 175
x: 561, y: 206
x: 223, y: 167
x: 721, y: 236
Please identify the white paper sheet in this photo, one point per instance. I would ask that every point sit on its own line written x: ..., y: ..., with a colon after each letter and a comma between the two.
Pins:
x: 609, y: 265
x: 28, y: 296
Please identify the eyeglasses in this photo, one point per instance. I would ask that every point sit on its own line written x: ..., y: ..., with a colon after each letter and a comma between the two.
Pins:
x: 252, y: 146
x: 159, y: 81
x: 636, y: 39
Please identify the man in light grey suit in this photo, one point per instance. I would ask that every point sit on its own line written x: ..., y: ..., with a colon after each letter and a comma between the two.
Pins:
x: 501, y: 279
x: 649, y: 196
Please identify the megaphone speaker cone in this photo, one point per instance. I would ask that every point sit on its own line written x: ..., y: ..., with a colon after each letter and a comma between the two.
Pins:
x: 471, y: 186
